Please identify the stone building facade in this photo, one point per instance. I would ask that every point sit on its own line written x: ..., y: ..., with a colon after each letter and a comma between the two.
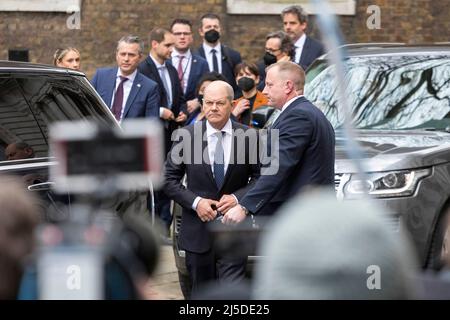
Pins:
x: 103, y: 22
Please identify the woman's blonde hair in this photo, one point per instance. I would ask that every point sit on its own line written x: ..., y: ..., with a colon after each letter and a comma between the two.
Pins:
x: 60, y: 53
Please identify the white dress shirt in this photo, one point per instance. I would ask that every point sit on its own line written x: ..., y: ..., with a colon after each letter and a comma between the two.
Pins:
x: 127, y: 85
x: 209, y: 56
x: 169, y: 83
x: 299, y: 44
x: 186, y: 63
x: 211, y: 134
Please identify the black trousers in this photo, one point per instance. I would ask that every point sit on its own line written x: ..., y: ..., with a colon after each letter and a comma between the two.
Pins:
x: 209, y: 267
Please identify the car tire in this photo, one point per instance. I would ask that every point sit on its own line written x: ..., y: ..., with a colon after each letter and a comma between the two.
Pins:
x: 439, y: 243
x: 185, y: 285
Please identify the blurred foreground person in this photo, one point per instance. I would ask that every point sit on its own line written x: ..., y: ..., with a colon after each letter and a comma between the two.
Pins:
x: 319, y: 248
x: 19, y: 216
x: 68, y: 57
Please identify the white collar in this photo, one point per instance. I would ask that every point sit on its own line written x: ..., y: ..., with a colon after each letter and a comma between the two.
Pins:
x: 208, y: 48
x: 176, y: 54
x: 301, y: 41
x: 289, y: 102
x: 158, y: 65
x: 210, y: 130
x: 130, y: 77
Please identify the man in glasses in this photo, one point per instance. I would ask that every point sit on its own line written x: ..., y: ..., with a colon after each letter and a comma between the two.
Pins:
x: 190, y: 67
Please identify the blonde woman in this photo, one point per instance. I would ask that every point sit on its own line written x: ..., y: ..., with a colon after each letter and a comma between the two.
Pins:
x: 67, y: 58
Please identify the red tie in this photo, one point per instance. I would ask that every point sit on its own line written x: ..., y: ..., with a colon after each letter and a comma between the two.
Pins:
x: 118, y: 99
x: 180, y: 69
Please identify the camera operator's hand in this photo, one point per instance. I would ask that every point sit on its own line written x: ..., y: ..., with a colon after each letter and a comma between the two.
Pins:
x: 227, y: 202
x: 234, y: 216
x: 167, y: 114
x: 181, y: 117
x: 205, y: 211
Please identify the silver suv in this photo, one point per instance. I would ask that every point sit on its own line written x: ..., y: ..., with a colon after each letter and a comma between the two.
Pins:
x: 400, y: 98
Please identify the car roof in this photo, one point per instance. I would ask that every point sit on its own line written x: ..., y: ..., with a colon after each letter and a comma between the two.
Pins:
x: 15, y: 66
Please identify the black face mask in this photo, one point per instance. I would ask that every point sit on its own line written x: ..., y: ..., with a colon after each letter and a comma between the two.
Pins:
x: 212, y: 36
x: 246, y: 84
x: 269, y: 59
x: 200, y: 99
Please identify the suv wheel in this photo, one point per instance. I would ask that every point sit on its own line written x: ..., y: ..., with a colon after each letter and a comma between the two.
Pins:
x: 440, y: 243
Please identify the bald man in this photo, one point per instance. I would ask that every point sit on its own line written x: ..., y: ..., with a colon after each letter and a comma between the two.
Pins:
x: 304, y: 148
x: 216, y: 182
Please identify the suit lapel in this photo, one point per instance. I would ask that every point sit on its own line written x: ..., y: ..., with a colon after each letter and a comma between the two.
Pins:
x: 305, y: 52
x: 133, y: 93
x: 111, y: 86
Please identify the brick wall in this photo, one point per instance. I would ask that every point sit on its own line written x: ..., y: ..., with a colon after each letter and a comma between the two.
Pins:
x: 103, y: 22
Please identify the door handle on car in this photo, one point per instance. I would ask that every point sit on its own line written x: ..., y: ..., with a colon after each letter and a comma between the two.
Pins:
x: 43, y: 186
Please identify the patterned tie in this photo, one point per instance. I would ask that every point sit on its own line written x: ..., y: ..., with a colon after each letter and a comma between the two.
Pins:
x: 162, y: 75
x: 180, y: 70
x: 215, y: 63
x: 118, y: 99
x: 219, y: 167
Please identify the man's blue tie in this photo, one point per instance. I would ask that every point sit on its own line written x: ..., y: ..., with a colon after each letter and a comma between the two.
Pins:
x: 219, y: 168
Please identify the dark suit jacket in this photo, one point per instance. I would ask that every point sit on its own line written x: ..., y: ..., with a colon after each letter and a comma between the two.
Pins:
x: 194, y: 235
x: 311, y: 50
x: 149, y: 69
x: 199, y: 66
x: 306, y: 157
x: 143, y: 98
x: 230, y: 58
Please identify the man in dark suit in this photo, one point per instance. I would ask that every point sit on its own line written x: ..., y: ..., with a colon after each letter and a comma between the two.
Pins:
x: 295, y: 22
x: 221, y: 58
x: 218, y: 165
x: 190, y: 67
x: 303, y: 150
x: 128, y: 93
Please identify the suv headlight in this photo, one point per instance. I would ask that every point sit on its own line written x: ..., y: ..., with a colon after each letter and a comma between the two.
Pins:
x: 385, y: 184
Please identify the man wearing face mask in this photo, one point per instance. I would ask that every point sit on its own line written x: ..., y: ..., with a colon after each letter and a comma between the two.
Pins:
x: 279, y: 47
x: 247, y: 77
x: 221, y: 59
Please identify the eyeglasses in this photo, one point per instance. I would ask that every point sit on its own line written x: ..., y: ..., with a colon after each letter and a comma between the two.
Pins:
x: 272, y: 50
x: 219, y: 104
x: 182, y: 34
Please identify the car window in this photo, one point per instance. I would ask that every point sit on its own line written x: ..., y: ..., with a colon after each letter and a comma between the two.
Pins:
x: 388, y: 92
x: 18, y: 124
x: 59, y: 98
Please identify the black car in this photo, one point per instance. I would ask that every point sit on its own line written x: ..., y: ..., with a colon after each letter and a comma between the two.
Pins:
x: 32, y: 97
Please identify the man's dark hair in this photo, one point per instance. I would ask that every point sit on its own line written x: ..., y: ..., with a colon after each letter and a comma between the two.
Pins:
x: 157, y: 34
x: 298, y: 11
x: 181, y: 21
x: 209, y: 15
x: 286, y: 42
x: 246, y: 65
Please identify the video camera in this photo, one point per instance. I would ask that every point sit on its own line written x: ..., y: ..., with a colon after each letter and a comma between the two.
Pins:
x: 96, y: 254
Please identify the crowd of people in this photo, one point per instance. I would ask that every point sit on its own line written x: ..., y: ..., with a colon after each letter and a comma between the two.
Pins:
x: 208, y: 94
